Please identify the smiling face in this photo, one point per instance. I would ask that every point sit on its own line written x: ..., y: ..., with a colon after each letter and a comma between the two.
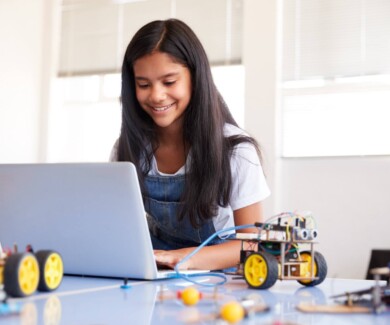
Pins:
x: 163, y: 88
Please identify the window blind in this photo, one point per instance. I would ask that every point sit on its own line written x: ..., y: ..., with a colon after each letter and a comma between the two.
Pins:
x: 335, y: 38
x: 95, y: 33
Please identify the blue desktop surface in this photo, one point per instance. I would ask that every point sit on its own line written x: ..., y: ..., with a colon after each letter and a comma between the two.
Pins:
x: 88, y: 301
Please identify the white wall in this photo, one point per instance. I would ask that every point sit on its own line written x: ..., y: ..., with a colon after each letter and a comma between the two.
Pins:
x: 20, y: 67
x: 261, y: 62
x: 25, y: 65
x: 348, y: 196
x: 350, y: 199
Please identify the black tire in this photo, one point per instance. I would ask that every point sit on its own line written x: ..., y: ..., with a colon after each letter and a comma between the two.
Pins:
x: 321, y: 269
x: 50, y: 270
x: 261, y: 270
x: 17, y: 283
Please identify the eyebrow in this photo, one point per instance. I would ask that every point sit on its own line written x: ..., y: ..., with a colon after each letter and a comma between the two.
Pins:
x: 171, y: 74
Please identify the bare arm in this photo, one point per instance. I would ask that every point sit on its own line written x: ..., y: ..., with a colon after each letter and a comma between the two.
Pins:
x: 217, y: 256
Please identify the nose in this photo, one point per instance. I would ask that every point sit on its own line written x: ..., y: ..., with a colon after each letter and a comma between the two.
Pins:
x: 157, y: 94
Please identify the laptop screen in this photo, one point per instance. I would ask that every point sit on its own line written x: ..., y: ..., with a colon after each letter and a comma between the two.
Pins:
x: 91, y: 213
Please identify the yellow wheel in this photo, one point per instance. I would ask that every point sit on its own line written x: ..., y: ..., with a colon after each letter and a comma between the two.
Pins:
x: 51, y: 269
x: 320, y: 268
x: 21, y: 275
x: 261, y: 270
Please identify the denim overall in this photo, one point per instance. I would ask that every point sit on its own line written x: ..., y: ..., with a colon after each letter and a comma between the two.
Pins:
x: 162, y: 204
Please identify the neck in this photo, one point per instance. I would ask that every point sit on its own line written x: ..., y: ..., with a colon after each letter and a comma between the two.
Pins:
x: 170, y: 136
x: 172, y: 151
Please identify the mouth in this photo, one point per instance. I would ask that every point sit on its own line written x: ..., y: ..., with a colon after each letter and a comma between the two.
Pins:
x: 162, y: 108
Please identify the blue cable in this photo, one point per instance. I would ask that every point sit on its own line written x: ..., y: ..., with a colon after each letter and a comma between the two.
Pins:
x: 188, y: 277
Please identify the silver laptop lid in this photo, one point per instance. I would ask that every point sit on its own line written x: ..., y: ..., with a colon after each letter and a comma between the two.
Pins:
x: 91, y: 213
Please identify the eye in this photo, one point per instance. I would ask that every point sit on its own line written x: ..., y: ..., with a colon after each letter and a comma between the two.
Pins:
x: 169, y: 83
x: 143, y: 85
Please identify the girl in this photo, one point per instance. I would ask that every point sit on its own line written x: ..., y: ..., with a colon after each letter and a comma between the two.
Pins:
x: 199, y: 173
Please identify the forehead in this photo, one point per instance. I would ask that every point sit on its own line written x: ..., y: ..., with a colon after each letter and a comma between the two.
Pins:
x: 157, y: 64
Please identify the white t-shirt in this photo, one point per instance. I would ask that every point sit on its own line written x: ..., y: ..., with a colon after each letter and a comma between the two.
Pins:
x: 248, y: 182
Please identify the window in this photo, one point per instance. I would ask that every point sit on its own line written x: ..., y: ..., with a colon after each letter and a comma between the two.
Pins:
x: 336, y: 78
x: 85, y: 120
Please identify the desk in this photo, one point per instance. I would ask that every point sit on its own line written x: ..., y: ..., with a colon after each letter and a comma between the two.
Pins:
x: 87, y: 301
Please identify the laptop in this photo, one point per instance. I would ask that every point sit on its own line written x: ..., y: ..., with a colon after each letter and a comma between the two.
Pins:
x: 91, y: 213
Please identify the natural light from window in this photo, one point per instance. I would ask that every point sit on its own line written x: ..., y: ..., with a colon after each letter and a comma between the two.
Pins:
x: 335, y: 91
x: 348, y: 118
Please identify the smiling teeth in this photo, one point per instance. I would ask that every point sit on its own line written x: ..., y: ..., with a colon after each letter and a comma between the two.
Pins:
x: 159, y: 109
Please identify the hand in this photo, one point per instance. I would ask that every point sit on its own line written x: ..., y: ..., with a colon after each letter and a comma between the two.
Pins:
x: 171, y: 258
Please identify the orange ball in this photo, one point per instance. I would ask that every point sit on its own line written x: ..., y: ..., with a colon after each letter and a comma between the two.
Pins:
x: 232, y: 312
x: 190, y: 296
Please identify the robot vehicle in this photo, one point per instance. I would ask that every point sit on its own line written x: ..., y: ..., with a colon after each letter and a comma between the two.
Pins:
x: 283, y: 250
x: 22, y: 273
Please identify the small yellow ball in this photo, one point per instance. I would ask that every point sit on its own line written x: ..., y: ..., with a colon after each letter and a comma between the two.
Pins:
x: 232, y: 312
x: 190, y: 296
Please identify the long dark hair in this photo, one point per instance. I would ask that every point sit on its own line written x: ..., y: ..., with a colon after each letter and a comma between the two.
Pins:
x: 208, y: 182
